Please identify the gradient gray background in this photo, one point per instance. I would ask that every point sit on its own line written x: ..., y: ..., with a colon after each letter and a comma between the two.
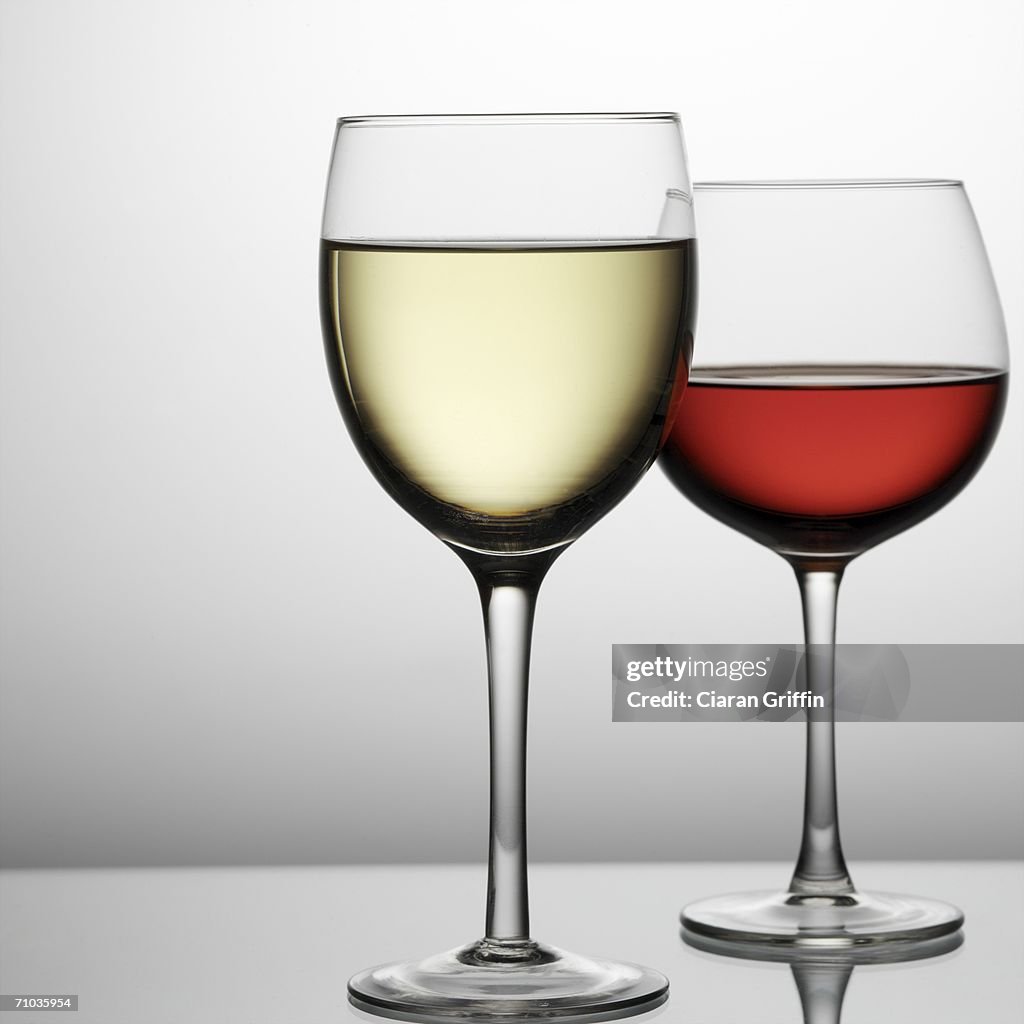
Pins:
x: 222, y: 643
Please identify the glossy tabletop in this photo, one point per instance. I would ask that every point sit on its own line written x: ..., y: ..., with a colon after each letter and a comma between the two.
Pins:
x: 273, y: 945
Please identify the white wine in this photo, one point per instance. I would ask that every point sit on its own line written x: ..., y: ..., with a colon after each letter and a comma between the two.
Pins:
x: 507, y: 397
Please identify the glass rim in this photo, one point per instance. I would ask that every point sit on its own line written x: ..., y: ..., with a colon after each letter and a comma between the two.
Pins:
x: 792, y: 184
x: 458, y: 120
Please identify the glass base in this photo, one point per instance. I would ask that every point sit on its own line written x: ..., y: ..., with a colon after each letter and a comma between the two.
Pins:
x: 511, y: 982
x: 842, y: 958
x: 847, y: 922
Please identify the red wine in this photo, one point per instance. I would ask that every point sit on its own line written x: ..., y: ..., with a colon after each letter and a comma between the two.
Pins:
x: 828, y: 461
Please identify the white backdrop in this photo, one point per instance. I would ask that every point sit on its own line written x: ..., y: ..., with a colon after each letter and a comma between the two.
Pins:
x: 222, y: 643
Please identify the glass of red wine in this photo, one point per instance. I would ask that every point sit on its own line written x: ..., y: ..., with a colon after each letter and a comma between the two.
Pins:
x: 850, y: 379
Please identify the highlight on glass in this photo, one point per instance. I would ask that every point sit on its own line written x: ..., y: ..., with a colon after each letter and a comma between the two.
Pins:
x: 507, y: 307
x: 850, y: 380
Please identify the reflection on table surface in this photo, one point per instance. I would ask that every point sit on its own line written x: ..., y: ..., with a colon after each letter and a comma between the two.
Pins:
x: 256, y: 945
x: 822, y: 973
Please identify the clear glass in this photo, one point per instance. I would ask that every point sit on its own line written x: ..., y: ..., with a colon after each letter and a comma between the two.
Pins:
x: 506, y: 304
x: 851, y: 378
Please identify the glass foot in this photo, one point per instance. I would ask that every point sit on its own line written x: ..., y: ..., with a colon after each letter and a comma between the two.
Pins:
x: 841, y: 958
x: 507, y: 982
x: 847, y: 922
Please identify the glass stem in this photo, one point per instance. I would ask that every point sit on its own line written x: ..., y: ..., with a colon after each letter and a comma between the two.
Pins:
x: 820, y: 868
x: 508, y: 602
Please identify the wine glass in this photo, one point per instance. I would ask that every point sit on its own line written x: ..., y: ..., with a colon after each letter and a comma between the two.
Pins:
x: 506, y: 308
x: 851, y: 379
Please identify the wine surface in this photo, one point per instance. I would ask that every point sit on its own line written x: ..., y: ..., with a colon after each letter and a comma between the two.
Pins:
x: 819, y: 461
x: 506, y: 397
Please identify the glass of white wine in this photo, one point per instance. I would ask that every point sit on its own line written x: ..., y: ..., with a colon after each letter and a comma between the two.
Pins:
x: 507, y: 306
